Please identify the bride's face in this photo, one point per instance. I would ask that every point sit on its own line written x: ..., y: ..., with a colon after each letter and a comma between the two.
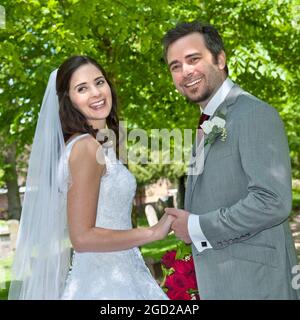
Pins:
x: 90, y: 93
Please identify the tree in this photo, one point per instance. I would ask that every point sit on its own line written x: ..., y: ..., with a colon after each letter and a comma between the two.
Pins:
x: 124, y: 36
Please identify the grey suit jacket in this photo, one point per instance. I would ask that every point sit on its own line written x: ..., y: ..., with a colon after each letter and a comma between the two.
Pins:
x: 243, y: 199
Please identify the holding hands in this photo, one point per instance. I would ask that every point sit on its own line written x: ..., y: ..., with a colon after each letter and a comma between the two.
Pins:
x: 180, y: 223
x: 162, y: 228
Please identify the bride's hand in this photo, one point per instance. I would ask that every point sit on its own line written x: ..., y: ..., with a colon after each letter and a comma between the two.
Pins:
x: 162, y: 228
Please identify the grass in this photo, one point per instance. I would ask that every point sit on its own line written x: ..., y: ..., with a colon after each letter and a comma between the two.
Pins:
x: 157, y: 249
x: 154, y: 250
x: 5, y: 266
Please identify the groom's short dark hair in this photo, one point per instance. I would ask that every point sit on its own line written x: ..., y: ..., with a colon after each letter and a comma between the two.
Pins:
x: 212, y: 39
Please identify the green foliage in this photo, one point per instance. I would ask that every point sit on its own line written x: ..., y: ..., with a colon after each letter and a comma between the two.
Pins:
x: 183, y: 250
x: 296, y: 201
x: 261, y: 40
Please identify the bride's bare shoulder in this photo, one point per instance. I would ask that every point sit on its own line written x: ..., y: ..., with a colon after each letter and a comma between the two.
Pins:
x: 85, y: 149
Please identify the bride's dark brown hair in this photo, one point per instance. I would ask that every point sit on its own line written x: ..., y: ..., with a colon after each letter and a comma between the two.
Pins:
x: 72, y: 120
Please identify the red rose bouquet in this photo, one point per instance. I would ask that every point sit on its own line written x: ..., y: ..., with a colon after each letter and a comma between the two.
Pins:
x: 179, y: 281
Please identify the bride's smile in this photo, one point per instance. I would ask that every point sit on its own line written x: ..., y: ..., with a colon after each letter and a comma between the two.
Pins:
x: 91, y: 95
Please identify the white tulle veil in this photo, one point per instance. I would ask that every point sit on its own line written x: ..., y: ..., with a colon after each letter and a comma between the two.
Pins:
x: 41, y: 261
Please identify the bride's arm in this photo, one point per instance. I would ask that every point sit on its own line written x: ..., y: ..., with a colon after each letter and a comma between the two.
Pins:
x: 83, y: 195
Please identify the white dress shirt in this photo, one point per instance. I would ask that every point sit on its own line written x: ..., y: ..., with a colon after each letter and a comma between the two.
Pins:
x: 194, y: 226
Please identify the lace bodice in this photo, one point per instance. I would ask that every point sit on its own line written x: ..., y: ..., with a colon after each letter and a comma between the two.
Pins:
x: 115, y: 200
x: 110, y: 275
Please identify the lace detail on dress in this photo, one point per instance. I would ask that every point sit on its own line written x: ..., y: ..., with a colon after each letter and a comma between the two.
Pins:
x: 112, y: 275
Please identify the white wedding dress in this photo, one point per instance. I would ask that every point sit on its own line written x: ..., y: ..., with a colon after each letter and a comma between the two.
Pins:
x: 118, y: 275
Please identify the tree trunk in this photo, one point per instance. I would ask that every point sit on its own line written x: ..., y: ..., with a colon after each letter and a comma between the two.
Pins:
x: 11, y: 180
x: 181, y: 192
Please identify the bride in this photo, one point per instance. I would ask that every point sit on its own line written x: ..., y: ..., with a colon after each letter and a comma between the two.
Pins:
x: 79, y: 194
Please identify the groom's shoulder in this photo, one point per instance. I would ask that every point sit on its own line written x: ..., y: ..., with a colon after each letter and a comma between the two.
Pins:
x: 247, y: 103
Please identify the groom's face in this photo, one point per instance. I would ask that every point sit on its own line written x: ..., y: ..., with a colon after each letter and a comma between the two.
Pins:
x: 195, y: 72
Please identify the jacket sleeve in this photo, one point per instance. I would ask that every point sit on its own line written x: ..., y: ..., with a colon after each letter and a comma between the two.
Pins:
x: 264, y: 156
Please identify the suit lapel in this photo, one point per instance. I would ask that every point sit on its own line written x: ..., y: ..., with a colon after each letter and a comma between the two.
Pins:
x: 188, y: 192
x: 223, y: 108
x: 197, y: 161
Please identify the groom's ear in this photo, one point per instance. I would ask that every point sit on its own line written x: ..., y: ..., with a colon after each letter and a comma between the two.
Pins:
x: 222, y: 60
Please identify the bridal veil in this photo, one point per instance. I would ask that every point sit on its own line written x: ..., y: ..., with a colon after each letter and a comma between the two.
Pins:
x: 42, y: 256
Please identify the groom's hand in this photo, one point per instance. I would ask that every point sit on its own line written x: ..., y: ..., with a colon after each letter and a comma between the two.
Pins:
x: 180, y: 224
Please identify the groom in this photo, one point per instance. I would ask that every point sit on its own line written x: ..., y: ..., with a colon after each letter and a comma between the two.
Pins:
x: 237, y: 208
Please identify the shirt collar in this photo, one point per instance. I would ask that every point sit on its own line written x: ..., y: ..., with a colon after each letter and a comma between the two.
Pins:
x: 218, y: 97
